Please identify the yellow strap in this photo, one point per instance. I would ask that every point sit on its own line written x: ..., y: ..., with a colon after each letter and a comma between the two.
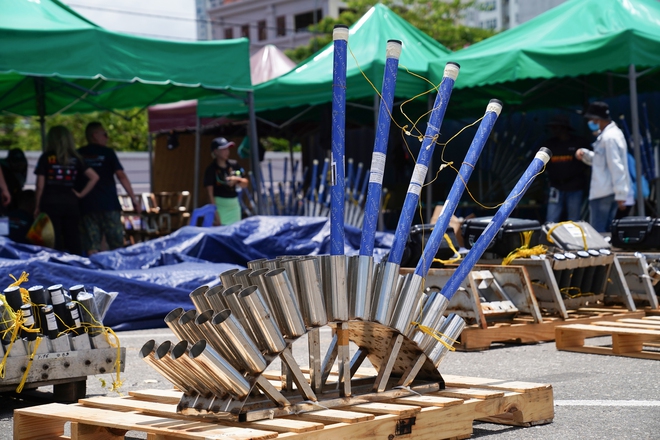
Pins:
x: 437, y: 336
x: 37, y: 342
x: 456, y: 257
x: 584, y: 236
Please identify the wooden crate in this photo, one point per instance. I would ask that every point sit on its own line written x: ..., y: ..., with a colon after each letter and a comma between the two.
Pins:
x: 525, y: 330
x: 638, y: 338
x: 449, y: 413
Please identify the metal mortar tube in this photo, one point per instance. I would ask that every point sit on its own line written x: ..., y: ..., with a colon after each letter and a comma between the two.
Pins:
x: 199, y: 299
x: 172, y: 321
x: 239, y: 341
x: 423, y: 340
x: 147, y: 354
x: 186, y: 374
x: 179, y: 354
x: 272, y: 264
x: 5, y: 322
x: 231, y: 298
x: 241, y: 277
x: 406, y: 309
x: 188, y: 326
x: 262, y: 320
x: 227, y: 277
x: 214, y: 338
x: 18, y: 348
x: 256, y: 264
x: 289, y: 264
x: 351, y: 283
x: 451, y: 330
x: 311, y: 296
x: 333, y: 269
x: 385, y: 294
x: 257, y: 279
x: 361, y: 298
x: 215, y: 299
x: 432, y: 313
x: 288, y: 309
x: 89, y: 314
x: 235, y: 383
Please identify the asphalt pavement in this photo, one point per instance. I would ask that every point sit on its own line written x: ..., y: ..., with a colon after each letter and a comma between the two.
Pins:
x: 595, y: 396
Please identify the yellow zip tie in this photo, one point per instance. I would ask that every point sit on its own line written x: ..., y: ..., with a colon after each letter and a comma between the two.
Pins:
x: 37, y: 342
x: 436, y: 335
x: 584, y: 236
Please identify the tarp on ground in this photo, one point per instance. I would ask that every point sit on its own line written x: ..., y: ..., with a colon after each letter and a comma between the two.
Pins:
x: 311, y: 82
x: 578, y: 50
x: 155, y: 277
x: 53, y: 60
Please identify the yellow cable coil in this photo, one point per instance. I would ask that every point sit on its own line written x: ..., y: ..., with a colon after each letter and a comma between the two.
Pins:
x: 524, y: 251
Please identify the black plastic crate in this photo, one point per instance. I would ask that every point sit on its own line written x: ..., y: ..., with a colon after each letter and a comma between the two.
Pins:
x: 636, y: 233
x: 508, y: 238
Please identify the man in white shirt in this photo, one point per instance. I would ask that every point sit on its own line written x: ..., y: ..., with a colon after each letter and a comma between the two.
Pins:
x: 610, y: 179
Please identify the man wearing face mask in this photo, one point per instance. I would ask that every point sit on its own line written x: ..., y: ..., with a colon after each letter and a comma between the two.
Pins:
x: 610, y: 180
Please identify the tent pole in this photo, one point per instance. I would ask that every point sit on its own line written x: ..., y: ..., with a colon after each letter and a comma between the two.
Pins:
x: 254, y: 151
x: 150, y: 149
x: 196, y: 172
x: 634, y: 115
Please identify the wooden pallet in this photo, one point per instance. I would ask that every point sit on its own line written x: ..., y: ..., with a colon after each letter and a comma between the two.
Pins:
x: 449, y: 413
x: 629, y: 337
x: 525, y: 330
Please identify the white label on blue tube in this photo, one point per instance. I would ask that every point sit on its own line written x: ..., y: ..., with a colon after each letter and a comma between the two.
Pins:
x: 333, y: 173
x: 414, y: 189
x: 419, y: 174
x: 377, y: 168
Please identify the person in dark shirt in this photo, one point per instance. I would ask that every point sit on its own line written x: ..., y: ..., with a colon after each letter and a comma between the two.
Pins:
x: 220, y: 181
x: 14, y: 169
x: 57, y: 170
x: 22, y: 217
x: 569, y: 177
x: 100, y: 209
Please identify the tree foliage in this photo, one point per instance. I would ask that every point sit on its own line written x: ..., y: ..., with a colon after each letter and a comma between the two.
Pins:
x: 441, y: 19
x: 127, y: 130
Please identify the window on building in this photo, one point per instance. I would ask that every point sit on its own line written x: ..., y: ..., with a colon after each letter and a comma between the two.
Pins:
x: 489, y: 5
x: 281, y: 26
x: 229, y: 33
x: 262, y: 32
x: 303, y: 21
x: 245, y: 31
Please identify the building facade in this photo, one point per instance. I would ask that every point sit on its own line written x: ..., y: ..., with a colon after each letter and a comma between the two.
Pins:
x: 284, y: 23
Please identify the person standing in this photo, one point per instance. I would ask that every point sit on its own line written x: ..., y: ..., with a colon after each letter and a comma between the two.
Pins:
x: 57, y: 170
x: 610, y: 178
x: 101, y: 210
x: 221, y: 178
x: 569, y: 177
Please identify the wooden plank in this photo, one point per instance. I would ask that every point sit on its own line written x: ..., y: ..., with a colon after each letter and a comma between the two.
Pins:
x: 469, y: 393
x: 493, y: 384
x: 625, y: 341
x: 396, y: 409
x: 91, y: 422
x: 161, y: 396
x: 604, y: 329
x: 622, y: 324
x: 336, y: 416
x: 428, y: 400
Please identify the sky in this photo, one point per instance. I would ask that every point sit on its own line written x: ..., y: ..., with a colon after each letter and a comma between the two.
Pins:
x: 147, y: 18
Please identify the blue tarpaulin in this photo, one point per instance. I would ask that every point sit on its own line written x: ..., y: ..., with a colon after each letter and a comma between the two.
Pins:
x: 155, y: 277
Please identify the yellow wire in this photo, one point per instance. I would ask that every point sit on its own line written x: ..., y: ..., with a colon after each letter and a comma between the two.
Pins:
x: 551, y: 230
x: 437, y: 335
x: 21, y: 384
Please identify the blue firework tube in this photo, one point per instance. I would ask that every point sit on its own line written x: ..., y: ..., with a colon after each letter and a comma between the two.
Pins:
x: 323, y: 181
x: 286, y: 168
x: 423, y: 159
x: 375, y: 180
x: 483, y: 132
x: 648, y: 145
x: 349, y: 175
x: 312, y: 183
x: 276, y: 211
x: 363, y: 188
x: 542, y: 157
x: 337, y: 183
x: 642, y: 147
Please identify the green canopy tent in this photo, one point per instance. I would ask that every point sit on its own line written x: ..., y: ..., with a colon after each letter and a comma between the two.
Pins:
x: 53, y: 60
x: 310, y: 83
x: 579, y: 50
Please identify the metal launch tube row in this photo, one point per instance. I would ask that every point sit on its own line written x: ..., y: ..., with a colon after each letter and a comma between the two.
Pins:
x: 453, y: 283
x: 383, y: 296
x: 406, y: 306
x: 337, y: 183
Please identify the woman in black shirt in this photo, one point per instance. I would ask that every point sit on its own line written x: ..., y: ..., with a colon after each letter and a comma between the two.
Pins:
x: 57, y: 171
